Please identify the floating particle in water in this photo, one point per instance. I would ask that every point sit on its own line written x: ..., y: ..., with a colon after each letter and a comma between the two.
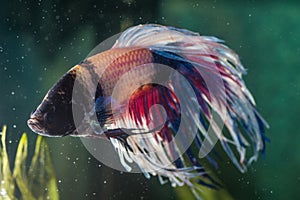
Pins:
x: 14, y: 126
x: 195, y: 5
x: 1, y: 49
x: 3, y: 192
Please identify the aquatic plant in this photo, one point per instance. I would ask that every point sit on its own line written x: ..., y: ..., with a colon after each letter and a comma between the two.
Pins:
x: 206, y: 193
x: 38, y: 181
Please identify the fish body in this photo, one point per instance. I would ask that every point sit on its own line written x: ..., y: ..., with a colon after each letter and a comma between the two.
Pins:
x: 143, y: 69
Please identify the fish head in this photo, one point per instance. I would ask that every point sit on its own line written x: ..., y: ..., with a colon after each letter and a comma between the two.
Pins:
x: 54, y: 117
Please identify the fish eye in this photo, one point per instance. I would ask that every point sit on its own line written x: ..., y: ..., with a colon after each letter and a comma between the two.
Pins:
x: 52, y: 109
x: 49, y: 118
x: 50, y: 115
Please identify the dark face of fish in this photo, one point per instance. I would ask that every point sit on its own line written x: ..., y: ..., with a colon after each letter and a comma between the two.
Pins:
x: 53, y: 117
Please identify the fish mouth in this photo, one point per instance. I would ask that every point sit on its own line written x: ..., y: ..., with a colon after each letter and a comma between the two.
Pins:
x: 36, y: 126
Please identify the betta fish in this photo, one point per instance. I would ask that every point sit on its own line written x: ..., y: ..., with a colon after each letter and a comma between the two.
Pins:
x: 163, y: 97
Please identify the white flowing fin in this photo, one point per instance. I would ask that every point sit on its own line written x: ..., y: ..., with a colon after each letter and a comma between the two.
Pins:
x: 214, y: 73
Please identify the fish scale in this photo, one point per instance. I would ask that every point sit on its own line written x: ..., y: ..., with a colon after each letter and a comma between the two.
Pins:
x: 117, y: 62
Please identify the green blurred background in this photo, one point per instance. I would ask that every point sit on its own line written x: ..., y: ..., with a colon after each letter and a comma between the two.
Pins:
x: 41, y: 40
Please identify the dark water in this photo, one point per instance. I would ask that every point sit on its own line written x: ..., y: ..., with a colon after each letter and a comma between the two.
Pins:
x: 41, y: 40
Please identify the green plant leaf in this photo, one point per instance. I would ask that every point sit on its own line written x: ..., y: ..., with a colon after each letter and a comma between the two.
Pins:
x: 41, y: 172
x: 203, y: 192
x: 36, y: 183
x: 7, y: 186
x: 20, y: 168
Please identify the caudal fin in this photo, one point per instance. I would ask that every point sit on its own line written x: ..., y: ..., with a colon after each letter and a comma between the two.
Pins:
x: 214, y: 96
